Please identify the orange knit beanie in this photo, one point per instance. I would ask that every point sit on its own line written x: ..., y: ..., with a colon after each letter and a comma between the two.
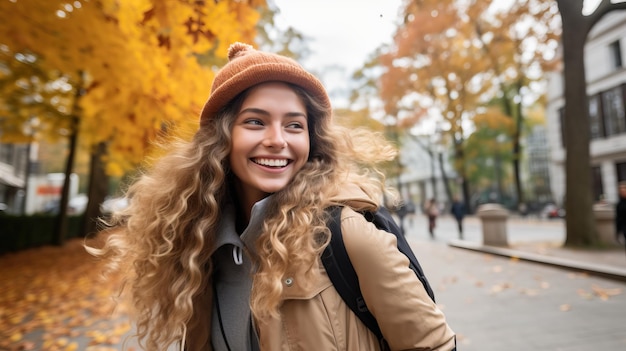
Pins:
x: 247, y: 67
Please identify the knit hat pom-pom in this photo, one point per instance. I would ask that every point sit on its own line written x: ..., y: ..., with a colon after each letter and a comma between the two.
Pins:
x: 238, y: 49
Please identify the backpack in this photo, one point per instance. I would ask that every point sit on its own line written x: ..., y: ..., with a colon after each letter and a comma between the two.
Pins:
x: 341, y: 272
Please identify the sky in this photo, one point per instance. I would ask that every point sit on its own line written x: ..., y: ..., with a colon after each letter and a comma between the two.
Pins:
x: 343, y: 33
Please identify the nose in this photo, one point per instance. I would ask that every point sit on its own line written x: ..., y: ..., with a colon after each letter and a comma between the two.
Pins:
x: 275, y: 138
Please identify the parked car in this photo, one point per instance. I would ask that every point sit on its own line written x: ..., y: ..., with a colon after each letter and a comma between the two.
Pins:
x: 75, y: 206
x: 552, y: 211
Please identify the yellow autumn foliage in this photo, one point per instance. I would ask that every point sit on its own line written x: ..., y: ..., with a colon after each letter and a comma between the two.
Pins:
x: 494, y: 119
x: 136, y: 61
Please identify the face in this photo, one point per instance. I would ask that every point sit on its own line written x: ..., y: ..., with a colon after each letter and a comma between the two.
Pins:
x: 270, y: 140
x: 622, y: 191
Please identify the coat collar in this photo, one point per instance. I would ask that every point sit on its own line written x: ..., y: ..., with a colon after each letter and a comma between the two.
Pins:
x: 227, y: 234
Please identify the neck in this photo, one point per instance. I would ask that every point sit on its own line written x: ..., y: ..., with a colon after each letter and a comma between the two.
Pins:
x: 244, y: 201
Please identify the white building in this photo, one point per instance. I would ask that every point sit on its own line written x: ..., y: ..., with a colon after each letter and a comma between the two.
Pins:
x: 421, y: 177
x: 606, y: 88
x: 536, y: 165
x: 12, y: 177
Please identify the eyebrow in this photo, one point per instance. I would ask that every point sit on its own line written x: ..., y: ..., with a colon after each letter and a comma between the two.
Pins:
x: 263, y: 112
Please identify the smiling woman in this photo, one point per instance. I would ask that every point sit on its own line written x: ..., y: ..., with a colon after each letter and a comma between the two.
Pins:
x: 223, y: 237
x: 270, y: 141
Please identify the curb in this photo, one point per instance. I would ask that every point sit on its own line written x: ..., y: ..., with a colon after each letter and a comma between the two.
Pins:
x: 590, y: 268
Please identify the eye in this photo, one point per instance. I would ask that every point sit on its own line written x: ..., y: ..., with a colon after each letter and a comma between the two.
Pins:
x: 295, y: 125
x: 253, y: 121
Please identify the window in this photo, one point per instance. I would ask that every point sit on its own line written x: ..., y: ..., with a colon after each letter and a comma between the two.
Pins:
x: 596, y: 179
x: 562, y: 120
x: 595, y: 117
x: 613, y: 109
x: 6, y: 153
x: 616, y: 54
x: 621, y: 171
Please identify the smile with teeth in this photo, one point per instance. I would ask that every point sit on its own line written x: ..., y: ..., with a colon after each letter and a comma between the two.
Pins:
x: 270, y: 162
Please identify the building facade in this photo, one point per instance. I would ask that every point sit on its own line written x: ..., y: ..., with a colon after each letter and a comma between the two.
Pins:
x: 537, y: 157
x: 13, y: 162
x: 421, y: 177
x: 606, y: 89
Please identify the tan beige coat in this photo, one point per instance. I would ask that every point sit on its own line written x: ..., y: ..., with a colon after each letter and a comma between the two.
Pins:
x: 314, y: 317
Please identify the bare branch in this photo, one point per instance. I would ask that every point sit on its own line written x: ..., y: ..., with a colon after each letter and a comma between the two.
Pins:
x: 605, y: 7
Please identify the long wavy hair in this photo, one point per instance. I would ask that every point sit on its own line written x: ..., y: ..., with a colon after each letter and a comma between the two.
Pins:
x: 163, y: 239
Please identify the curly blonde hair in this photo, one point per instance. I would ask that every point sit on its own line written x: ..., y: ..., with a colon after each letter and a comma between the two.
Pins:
x: 163, y: 239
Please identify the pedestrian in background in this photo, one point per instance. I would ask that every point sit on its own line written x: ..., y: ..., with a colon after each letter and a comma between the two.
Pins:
x: 223, y: 236
x: 620, y: 214
x: 432, y: 211
x: 405, y: 209
x: 458, y: 211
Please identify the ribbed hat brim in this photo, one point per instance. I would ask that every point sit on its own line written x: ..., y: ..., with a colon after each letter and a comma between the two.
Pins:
x: 256, y: 70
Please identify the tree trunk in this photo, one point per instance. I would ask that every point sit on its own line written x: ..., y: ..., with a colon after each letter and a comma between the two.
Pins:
x: 444, y: 178
x: 459, y: 155
x: 514, y: 110
x: 433, y: 176
x: 60, y: 229
x: 580, y: 224
x: 98, y: 189
x: 61, y: 221
x: 517, y: 147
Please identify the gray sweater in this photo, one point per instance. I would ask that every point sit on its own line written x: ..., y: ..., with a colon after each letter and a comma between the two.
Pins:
x: 233, y: 278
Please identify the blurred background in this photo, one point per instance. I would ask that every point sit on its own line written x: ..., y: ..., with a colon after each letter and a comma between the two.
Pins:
x: 472, y: 92
x: 519, y: 103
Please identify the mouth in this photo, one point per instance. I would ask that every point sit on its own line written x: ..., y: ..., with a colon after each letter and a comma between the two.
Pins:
x: 271, y: 162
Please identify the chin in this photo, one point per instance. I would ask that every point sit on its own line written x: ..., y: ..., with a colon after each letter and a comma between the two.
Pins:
x: 270, y: 189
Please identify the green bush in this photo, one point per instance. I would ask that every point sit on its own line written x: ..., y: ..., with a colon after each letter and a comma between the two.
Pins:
x: 24, y: 232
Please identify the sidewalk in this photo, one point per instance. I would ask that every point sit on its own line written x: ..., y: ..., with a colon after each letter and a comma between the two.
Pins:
x: 51, y: 298
x: 532, y: 295
x: 530, y: 239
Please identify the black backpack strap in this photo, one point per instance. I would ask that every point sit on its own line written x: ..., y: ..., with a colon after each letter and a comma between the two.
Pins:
x: 383, y: 220
x: 341, y: 273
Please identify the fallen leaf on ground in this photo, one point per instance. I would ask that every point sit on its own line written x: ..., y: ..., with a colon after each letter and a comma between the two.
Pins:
x: 496, y: 269
x: 51, y: 296
x: 603, y: 293
x: 584, y: 294
x: 529, y: 292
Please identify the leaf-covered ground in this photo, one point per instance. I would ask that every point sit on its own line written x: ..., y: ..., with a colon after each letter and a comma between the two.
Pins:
x: 54, y: 298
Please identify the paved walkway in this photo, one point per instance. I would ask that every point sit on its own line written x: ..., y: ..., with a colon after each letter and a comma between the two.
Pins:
x: 496, y: 301
x: 531, y: 239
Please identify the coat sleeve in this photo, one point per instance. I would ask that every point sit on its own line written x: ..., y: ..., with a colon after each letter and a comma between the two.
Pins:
x: 407, y: 316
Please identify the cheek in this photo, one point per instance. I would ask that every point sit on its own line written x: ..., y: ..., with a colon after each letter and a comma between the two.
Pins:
x: 237, y: 154
x: 304, y: 149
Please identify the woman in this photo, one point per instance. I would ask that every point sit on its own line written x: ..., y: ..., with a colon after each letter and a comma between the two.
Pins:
x: 432, y: 211
x: 222, y: 238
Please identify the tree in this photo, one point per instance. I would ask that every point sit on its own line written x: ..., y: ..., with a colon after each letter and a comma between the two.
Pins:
x: 580, y: 225
x: 520, y: 41
x: 489, y: 149
x: 134, y: 66
x: 435, y: 68
x: 33, y: 101
x: 451, y: 57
